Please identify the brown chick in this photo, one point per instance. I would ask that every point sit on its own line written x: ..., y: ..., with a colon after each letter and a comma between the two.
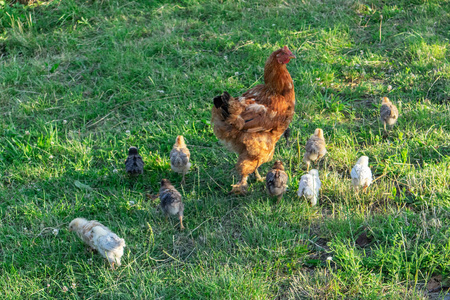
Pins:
x: 276, y: 180
x: 388, y: 112
x: 252, y: 124
x: 134, y: 163
x: 315, y: 148
x: 100, y: 238
x: 179, y: 157
x: 171, y: 201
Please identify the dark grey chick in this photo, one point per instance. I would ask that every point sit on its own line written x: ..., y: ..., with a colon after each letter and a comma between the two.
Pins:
x: 287, y: 135
x: 276, y: 180
x: 134, y: 163
x: 171, y: 201
x: 388, y: 112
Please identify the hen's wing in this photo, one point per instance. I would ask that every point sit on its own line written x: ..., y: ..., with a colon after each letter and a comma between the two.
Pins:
x: 249, y: 113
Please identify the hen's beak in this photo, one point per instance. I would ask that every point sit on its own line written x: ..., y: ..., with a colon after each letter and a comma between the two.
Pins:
x: 292, y: 56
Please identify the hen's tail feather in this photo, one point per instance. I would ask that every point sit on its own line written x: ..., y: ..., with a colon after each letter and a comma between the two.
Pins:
x: 222, y: 102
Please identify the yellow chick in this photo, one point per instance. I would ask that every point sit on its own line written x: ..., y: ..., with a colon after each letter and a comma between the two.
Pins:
x: 179, y: 157
x: 315, y: 148
x: 388, y: 112
x: 100, y: 238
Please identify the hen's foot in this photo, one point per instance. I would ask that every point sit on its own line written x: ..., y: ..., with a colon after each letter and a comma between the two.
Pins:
x: 240, y: 188
x: 259, y: 178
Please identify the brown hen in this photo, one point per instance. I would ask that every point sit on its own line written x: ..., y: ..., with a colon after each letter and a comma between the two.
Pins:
x: 252, y: 124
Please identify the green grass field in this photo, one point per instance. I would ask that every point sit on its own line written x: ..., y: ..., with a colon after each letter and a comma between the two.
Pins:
x: 81, y: 81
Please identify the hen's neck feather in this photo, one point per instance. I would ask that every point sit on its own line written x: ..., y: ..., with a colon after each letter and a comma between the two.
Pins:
x: 277, y: 77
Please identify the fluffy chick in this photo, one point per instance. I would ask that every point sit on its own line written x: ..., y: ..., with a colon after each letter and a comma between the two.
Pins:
x: 287, y: 135
x: 315, y: 148
x: 276, y: 180
x: 134, y: 163
x: 179, y: 157
x: 361, y: 174
x: 99, y: 237
x: 388, y: 112
x: 108, y: 244
x: 171, y: 201
x: 309, y: 186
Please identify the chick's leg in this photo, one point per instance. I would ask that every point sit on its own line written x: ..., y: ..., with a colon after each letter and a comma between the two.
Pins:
x: 279, y: 198
x: 181, y: 222
x: 365, y: 188
x: 384, y: 123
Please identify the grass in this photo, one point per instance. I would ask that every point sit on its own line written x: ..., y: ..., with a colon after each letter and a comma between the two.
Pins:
x: 81, y: 81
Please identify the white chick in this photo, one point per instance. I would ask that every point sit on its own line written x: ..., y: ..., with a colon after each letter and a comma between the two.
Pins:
x: 99, y: 237
x: 315, y: 148
x: 83, y: 228
x: 309, y: 186
x: 108, y: 244
x: 361, y: 173
x: 179, y: 157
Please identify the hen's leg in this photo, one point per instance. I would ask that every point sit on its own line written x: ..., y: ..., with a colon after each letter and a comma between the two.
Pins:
x: 245, y: 167
x: 384, y: 123
x: 259, y: 177
x: 241, y: 186
x: 182, y: 181
x: 307, y: 166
